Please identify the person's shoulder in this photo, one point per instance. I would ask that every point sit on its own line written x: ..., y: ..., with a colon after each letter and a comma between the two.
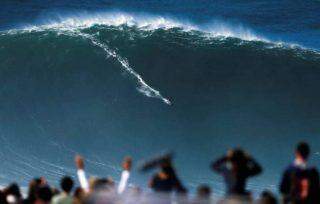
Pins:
x: 55, y: 199
x: 58, y: 198
x: 290, y: 168
x: 313, y: 170
x: 62, y: 198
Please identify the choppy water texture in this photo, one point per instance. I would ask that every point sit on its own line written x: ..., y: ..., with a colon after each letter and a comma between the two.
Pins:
x: 107, y: 79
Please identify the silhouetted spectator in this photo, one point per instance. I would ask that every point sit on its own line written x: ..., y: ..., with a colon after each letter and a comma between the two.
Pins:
x: 43, y: 195
x: 236, y: 167
x: 81, y: 173
x: 64, y: 197
x: 98, y: 184
x: 13, y: 194
x: 267, y: 197
x: 300, y: 183
x: 166, y: 180
x: 34, y: 185
x: 125, y: 175
x: 79, y: 196
x: 3, y: 198
x: 203, y: 195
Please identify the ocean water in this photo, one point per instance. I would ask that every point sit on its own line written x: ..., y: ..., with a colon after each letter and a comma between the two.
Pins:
x: 108, y: 79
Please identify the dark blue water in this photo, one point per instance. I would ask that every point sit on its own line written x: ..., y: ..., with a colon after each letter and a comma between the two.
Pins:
x: 111, y: 78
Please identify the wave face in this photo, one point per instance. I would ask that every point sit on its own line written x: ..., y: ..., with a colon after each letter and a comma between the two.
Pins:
x: 70, y: 86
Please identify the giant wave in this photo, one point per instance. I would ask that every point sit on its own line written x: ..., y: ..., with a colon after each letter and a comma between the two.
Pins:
x: 137, y: 26
x: 68, y: 76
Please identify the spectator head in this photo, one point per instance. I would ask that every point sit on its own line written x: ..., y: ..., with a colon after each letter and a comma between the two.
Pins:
x: 166, y: 167
x: 13, y: 190
x: 236, y: 155
x: 127, y: 163
x: 267, y: 198
x: 238, y: 158
x: 12, y: 194
x: 204, y: 192
x: 43, y: 194
x: 302, y: 150
x: 33, y: 187
x: 79, y: 194
x: 66, y: 184
x: 98, y: 184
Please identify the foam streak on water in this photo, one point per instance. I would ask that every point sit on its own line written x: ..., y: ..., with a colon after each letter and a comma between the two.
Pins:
x: 143, y: 87
x: 73, y: 26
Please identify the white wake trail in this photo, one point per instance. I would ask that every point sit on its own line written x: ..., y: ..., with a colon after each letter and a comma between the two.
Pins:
x: 144, y: 88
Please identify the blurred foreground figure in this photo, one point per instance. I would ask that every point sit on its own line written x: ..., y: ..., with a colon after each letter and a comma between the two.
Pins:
x: 203, y: 195
x: 267, y: 198
x: 79, y: 196
x: 166, y: 180
x: 81, y: 173
x: 236, y: 167
x: 43, y: 195
x: 300, y: 183
x: 64, y: 197
x: 12, y: 194
x: 125, y: 175
x: 34, y: 185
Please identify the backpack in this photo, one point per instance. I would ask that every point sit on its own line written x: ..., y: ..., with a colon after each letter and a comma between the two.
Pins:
x: 304, y: 186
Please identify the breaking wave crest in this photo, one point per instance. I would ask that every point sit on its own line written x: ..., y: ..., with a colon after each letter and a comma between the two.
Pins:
x: 146, y: 22
x: 89, y: 27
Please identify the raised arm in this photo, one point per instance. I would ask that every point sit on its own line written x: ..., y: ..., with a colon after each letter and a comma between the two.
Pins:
x: 125, y: 175
x: 81, y: 173
x: 219, y: 165
x: 254, y: 167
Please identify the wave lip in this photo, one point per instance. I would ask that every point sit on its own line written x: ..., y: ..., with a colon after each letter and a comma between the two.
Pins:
x: 76, y: 26
x: 146, y: 22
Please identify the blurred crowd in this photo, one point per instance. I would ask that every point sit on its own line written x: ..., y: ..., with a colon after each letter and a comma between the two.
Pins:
x: 299, y: 184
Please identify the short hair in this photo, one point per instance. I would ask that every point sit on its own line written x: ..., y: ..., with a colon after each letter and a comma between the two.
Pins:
x: 303, y: 149
x: 237, y: 155
x: 204, y: 191
x: 66, y: 184
x: 13, y: 189
x: 102, y: 184
x: 44, y: 193
x: 267, y: 197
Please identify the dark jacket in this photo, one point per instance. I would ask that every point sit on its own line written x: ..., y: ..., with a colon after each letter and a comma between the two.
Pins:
x: 294, y: 180
x: 236, y: 177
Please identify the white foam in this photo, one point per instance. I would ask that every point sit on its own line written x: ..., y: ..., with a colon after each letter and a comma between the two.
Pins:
x: 218, y: 28
x: 146, y: 22
x: 73, y: 24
